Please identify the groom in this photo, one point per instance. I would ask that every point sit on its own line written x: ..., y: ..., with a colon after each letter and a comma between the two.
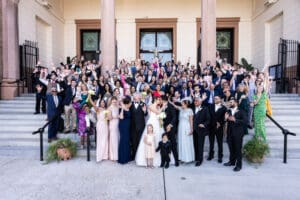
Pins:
x: 138, y: 112
x: 170, y: 126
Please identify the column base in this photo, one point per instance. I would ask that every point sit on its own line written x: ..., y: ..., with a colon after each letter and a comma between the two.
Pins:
x: 9, y: 89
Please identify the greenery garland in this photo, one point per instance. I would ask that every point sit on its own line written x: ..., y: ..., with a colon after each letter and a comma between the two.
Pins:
x: 61, y: 143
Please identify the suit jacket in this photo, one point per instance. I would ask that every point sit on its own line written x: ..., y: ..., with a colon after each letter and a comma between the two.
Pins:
x: 182, y: 93
x: 237, y: 128
x: 202, y: 117
x: 171, y: 117
x: 137, y: 117
x: 164, y: 148
x: 69, y: 95
x: 216, y: 116
x: 52, y: 110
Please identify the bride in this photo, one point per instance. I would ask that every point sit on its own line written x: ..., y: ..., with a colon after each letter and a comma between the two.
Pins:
x: 154, y: 111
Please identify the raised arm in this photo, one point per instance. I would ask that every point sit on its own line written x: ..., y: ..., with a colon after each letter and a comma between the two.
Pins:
x: 175, y: 106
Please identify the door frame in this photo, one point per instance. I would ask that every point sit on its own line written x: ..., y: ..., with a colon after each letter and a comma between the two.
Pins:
x: 85, y: 24
x: 156, y: 23
x: 225, y: 22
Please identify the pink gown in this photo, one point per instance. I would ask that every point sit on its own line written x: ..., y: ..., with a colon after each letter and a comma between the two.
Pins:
x: 102, y: 137
x: 114, y: 134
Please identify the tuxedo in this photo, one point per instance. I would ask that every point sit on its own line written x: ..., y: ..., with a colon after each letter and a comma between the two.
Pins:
x: 171, y: 118
x: 53, y: 114
x: 165, y: 150
x: 137, y: 125
x: 217, y: 113
x: 201, y: 116
x: 235, y: 134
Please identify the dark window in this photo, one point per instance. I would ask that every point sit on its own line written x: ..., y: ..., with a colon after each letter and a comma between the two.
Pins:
x: 90, y: 44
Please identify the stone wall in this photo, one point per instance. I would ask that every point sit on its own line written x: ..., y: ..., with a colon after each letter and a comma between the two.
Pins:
x: 46, y: 26
x: 281, y: 19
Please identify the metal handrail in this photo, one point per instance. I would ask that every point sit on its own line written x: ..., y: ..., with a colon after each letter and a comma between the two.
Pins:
x: 41, y: 131
x: 285, y: 133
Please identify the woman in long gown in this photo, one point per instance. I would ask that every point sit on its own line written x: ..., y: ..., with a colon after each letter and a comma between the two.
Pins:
x: 114, y: 134
x: 186, y: 151
x: 259, y: 112
x: 102, y: 131
x: 154, y: 111
x: 124, y: 128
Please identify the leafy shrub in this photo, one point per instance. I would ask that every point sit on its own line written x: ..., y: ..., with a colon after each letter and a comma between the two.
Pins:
x: 255, y: 150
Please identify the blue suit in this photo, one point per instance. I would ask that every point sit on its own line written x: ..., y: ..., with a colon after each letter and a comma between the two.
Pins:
x: 52, y: 111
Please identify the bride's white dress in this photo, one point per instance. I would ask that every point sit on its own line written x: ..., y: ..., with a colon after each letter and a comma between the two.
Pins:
x: 158, y: 131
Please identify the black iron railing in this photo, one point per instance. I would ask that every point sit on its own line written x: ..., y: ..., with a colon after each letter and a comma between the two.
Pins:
x: 41, y: 131
x: 285, y: 133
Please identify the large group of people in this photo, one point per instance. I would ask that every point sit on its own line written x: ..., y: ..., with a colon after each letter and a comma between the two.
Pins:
x: 154, y: 113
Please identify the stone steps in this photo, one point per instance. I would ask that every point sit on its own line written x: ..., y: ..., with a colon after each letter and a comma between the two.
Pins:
x: 17, y: 122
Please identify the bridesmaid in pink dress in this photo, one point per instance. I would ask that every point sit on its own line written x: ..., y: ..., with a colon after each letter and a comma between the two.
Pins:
x: 114, y: 134
x: 102, y: 131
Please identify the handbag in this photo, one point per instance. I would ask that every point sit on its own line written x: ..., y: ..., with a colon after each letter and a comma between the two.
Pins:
x: 269, y: 108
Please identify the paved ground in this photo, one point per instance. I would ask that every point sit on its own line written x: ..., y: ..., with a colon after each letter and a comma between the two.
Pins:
x: 77, y: 179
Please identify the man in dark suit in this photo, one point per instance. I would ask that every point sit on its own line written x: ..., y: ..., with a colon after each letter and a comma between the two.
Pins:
x: 217, y: 112
x: 237, y: 119
x: 201, y: 125
x: 138, y: 111
x: 53, y: 113
x: 170, y: 126
x: 41, y: 89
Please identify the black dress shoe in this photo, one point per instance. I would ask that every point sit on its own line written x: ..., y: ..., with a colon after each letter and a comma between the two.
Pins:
x: 44, y: 113
x: 74, y: 130
x: 167, y: 166
x: 67, y: 131
x: 220, y: 160
x: 49, y: 140
x: 36, y: 113
x: 228, y: 164
x: 198, y: 163
x: 237, y: 169
x: 210, y: 158
x: 177, y: 163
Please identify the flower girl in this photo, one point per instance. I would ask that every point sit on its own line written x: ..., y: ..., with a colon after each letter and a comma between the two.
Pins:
x: 149, y: 141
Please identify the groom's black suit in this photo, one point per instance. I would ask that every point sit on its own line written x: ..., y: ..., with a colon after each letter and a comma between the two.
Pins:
x: 137, y: 126
x: 171, y: 118
x: 201, y: 116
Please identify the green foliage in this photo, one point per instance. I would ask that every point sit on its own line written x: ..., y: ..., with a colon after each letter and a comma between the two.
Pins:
x: 61, y: 143
x: 255, y: 150
x: 245, y: 63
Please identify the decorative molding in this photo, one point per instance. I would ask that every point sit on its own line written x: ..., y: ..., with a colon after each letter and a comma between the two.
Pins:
x: 226, y: 22
x: 156, y: 23
x: 85, y: 24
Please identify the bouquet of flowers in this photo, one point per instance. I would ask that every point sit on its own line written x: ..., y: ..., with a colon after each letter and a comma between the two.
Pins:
x: 161, y: 118
x: 144, y: 94
x: 106, y: 112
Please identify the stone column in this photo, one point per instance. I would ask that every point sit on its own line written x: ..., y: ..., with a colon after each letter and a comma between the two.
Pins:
x: 108, y: 35
x: 208, y: 31
x: 9, y: 48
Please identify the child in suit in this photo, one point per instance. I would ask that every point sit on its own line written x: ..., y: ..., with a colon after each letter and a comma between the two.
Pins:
x: 164, y: 147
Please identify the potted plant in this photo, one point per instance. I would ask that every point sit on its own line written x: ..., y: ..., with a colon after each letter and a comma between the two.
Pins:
x: 63, y: 149
x: 255, y: 150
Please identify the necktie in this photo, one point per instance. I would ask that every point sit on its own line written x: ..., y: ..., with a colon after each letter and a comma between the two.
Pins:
x: 55, y: 101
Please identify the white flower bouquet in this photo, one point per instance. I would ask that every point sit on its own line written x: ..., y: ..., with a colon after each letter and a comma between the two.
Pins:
x: 161, y: 118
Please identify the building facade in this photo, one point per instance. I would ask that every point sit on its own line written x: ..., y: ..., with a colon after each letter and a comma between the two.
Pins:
x: 128, y: 29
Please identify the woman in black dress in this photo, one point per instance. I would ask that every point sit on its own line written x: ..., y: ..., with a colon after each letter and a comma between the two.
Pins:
x: 124, y: 128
